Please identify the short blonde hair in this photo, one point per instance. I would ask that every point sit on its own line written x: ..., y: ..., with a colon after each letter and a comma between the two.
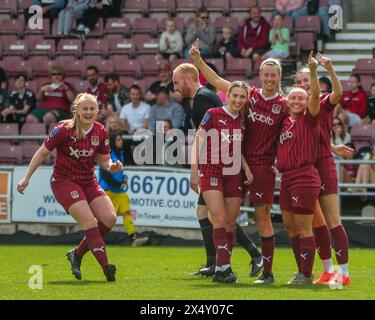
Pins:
x: 227, y: 28
x: 188, y: 68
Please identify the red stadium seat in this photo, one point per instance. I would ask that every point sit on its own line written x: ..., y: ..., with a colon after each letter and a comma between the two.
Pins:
x: 267, y: 5
x: 117, y: 26
x: 218, y: 6
x: 345, y: 86
x: 72, y: 66
x: 78, y: 84
x: 12, y: 26
x: 149, y: 81
x: 365, y: 66
x: 308, y: 24
x: 239, y: 66
x: 136, y: 6
x: 242, y: 5
x: 180, y: 24
x: 188, y: 5
x: 97, y: 47
x: 45, y: 31
x: 104, y: 66
x: 23, y: 4
x: 363, y: 134
x: 9, y: 6
x: 15, y: 48
x: 31, y: 129
x: 146, y: 45
x: 306, y: 40
x: 28, y: 151
x: 221, y: 22
x: 8, y: 129
x: 145, y: 26
x: 130, y: 81
x: 11, y: 154
x: 71, y: 47
x: 150, y: 66
x: 41, y: 66
x: 177, y: 62
x: 367, y: 81
x: 218, y: 63
x: 98, y: 30
x: 41, y: 81
x: 31, y: 85
x: 125, y: 67
x: 168, y: 6
x: 119, y: 45
x: 41, y: 47
x: 16, y: 65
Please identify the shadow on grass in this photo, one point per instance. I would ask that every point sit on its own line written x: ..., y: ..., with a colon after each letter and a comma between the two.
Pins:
x: 76, y: 283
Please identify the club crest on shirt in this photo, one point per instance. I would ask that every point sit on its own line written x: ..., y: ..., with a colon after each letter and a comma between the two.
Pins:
x: 213, y: 182
x: 95, y: 141
x: 276, y: 108
x: 106, y: 142
x: 74, y: 195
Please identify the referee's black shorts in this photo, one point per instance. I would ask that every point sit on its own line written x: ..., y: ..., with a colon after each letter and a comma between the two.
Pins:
x: 201, y: 201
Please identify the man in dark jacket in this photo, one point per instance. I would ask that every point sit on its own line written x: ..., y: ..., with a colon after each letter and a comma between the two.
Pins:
x: 254, y: 34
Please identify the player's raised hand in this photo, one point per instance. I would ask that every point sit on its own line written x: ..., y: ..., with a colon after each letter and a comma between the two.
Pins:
x: 325, y: 62
x: 313, y: 63
x: 116, y: 167
x: 194, y: 51
x: 22, y: 185
x: 343, y: 151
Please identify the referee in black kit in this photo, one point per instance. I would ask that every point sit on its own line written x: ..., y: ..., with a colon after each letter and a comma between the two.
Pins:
x: 186, y: 82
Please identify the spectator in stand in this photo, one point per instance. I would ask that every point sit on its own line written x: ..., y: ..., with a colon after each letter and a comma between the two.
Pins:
x: 352, y: 107
x: 165, y: 108
x: 4, y: 104
x: 325, y: 85
x: 227, y: 47
x: 117, y: 94
x: 340, y: 134
x: 171, y: 43
x: 55, y: 98
x: 21, y: 102
x: 370, y: 111
x: 254, y: 34
x: 97, y: 9
x: 279, y: 39
x: 73, y: 10
x: 50, y: 9
x: 3, y: 79
x: 135, y: 115
x: 366, y: 172
x: 165, y: 80
x: 99, y: 90
x: 287, y: 7
x: 205, y: 31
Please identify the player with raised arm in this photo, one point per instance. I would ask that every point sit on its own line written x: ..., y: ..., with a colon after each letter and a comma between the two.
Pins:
x: 218, y: 144
x: 185, y: 81
x: 79, y: 141
x: 263, y: 119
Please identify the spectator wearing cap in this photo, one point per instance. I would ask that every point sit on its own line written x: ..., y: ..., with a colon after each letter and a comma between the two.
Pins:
x: 171, y: 42
x: 117, y: 94
x: 135, y: 115
x: 55, y: 98
x: 205, y: 31
x: 254, y: 35
x: 165, y: 109
x: 21, y: 102
x: 165, y: 80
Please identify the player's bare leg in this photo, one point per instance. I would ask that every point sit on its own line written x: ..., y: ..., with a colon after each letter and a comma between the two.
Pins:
x: 265, y: 228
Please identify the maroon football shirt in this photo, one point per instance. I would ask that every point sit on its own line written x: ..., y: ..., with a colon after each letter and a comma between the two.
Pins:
x: 326, y: 123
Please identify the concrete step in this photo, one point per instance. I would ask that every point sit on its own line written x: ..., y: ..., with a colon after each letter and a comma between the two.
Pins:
x: 360, y: 26
x: 344, y: 46
x: 355, y: 36
x: 348, y: 57
x: 340, y: 68
x: 343, y: 76
x: 354, y: 52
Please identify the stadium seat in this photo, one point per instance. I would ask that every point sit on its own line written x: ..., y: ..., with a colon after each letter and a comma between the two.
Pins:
x: 267, y: 5
x: 118, y: 26
x: 308, y: 24
x: 188, y: 5
x: 168, y: 6
x: 72, y: 66
x: 15, y: 65
x: 145, y: 44
x: 136, y: 6
x: 177, y: 62
x: 221, y: 22
x: 71, y: 47
x: 39, y: 46
x: 130, y: 81
x: 41, y: 81
x: 104, y: 66
x: 12, y: 26
x: 11, y: 154
x: 363, y: 134
x: 9, y: 6
x: 180, y: 24
x: 149, y: 81
x: 14, y: 48
x: 45, y: 31
x: 31, y: 85
x: 23, y: 4
x: 222, y: 6
x: 41, y: 66
x: 365, y: 66
x: 306, y: 40
x: 28, y: 151
x: 8, y: 129
x: 239, y: 66
x: 218, y: 63
x: 150, y: 66
x: 367, y: 81
x: 345, y: 86
x: 78, y: 84
x: 242, y: 5
x: 98, y: 30
x: 32, y: 129
x: 145, y: 26
x: 125, y: 67
x: 97, y: 47
x: 119, y: 45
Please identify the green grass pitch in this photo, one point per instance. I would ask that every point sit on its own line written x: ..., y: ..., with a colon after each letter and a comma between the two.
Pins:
x: 163, y: 273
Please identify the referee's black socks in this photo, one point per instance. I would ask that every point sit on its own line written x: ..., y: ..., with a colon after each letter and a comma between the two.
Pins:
x: 207, y: 234
x: 244, y: 240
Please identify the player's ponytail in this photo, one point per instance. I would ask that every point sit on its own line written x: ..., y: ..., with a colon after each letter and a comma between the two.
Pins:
x: 75, y: 122
x: 274, y: 63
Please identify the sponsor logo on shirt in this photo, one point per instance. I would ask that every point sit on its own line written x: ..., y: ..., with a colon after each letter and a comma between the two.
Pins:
x: 260, y: 117
x: 81, y: 153
x: 95, y: 141
x: 229, y: 138
x: 285, y: 136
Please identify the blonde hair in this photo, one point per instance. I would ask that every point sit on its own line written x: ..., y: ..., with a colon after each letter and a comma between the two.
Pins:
x: 274, y: 63
x: 74, y: 122
x: 227, y: 28
x: 188, y: 68
x: 297, y: 89
x: 238, y: 84
x: 108, y: 121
